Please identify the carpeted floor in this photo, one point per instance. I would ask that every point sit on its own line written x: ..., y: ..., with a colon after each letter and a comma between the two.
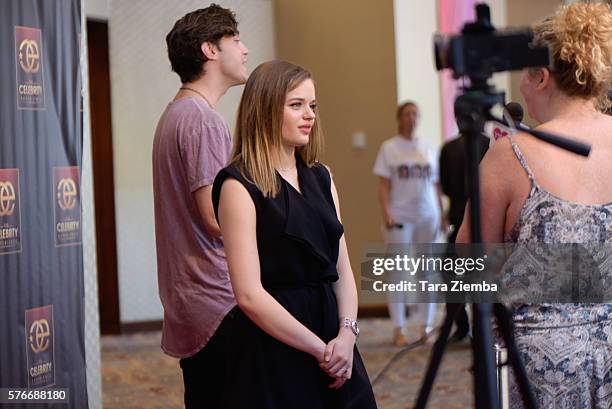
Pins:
x: 137, y: 375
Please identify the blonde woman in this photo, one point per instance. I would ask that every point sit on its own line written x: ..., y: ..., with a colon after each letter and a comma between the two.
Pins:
x: 547, y: 195
x: 295, y: 324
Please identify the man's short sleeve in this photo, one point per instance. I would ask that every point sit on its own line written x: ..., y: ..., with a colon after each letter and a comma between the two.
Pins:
x: 204, y: 151
x: 381, y: 166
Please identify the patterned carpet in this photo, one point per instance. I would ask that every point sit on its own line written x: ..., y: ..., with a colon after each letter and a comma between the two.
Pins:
x: 137, y: 375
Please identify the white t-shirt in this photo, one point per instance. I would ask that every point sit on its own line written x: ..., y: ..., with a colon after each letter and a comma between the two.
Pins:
x: 412, y: 167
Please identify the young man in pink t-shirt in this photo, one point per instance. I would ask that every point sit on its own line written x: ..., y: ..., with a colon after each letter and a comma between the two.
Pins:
x: 192, y: 143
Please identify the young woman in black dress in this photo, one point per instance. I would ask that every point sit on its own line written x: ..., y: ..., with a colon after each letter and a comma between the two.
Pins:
x: 295, y: 329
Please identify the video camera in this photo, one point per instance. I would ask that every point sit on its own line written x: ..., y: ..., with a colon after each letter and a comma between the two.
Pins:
x: 481, y: 50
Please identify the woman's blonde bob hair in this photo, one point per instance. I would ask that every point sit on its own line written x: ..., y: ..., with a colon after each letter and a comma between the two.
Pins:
x: 258, y: 134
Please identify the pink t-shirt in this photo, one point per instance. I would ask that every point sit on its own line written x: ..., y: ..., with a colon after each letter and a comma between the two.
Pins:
x: 192, y: 143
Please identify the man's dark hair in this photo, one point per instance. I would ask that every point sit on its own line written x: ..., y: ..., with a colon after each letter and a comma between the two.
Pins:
x: 185, y: 40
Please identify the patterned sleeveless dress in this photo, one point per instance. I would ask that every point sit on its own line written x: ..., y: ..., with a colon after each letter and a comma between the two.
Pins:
x: 566, y: 348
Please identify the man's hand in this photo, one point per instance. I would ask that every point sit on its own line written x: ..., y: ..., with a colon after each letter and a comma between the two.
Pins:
x: 389, y: 221
x: 444, y: 225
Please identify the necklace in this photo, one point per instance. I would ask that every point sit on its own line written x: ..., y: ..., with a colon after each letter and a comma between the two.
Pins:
x: 287, y: 169
x: 199, y: 93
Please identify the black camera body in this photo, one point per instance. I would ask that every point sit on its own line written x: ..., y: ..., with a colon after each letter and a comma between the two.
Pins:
x: 481, y: 50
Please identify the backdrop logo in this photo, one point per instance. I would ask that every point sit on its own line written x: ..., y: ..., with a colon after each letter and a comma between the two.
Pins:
x: 66, y: 194
x: 40, y: 346
x: 67, y: 205
x: 29, y: 56
x: 39, y: 336
x: 29, y: 68
x: 7, y: 199
x: 10, y: 215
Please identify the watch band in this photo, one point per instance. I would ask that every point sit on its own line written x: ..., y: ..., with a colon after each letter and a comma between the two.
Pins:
x: 351, y: 324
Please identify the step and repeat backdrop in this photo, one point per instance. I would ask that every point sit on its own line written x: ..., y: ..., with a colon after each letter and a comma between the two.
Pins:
x: 41, y: 254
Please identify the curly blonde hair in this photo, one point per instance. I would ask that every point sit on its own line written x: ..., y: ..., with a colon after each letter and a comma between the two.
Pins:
x: 579, y: 36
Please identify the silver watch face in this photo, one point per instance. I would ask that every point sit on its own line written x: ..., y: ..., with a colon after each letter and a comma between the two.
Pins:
x: 355, y: 328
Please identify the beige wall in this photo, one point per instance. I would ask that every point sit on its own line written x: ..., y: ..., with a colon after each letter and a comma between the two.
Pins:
x: 349, y: 48
x: 97, y: 9
x: 525, y: 13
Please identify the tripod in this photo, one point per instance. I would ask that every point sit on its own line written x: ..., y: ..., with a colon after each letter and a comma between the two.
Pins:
x: 472, y: 110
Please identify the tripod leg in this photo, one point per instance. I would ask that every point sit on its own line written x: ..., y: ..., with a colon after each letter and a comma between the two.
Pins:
x: 504, y: 318
x: 436, y: 356
x: 485, y: 385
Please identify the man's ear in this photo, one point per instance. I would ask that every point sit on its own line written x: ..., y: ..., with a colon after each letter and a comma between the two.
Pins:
x: 544, y: 79
x: 210, y: 50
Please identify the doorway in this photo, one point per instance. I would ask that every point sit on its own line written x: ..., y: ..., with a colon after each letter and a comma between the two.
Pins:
x: 104, y: 187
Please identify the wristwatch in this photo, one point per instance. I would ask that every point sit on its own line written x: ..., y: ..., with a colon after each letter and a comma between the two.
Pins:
x: 351, y: 324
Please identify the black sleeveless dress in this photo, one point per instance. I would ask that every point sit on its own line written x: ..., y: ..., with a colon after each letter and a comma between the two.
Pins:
x: 298, y: 240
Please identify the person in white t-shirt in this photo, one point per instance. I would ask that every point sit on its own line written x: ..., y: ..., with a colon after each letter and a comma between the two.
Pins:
x: 411, y: 202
